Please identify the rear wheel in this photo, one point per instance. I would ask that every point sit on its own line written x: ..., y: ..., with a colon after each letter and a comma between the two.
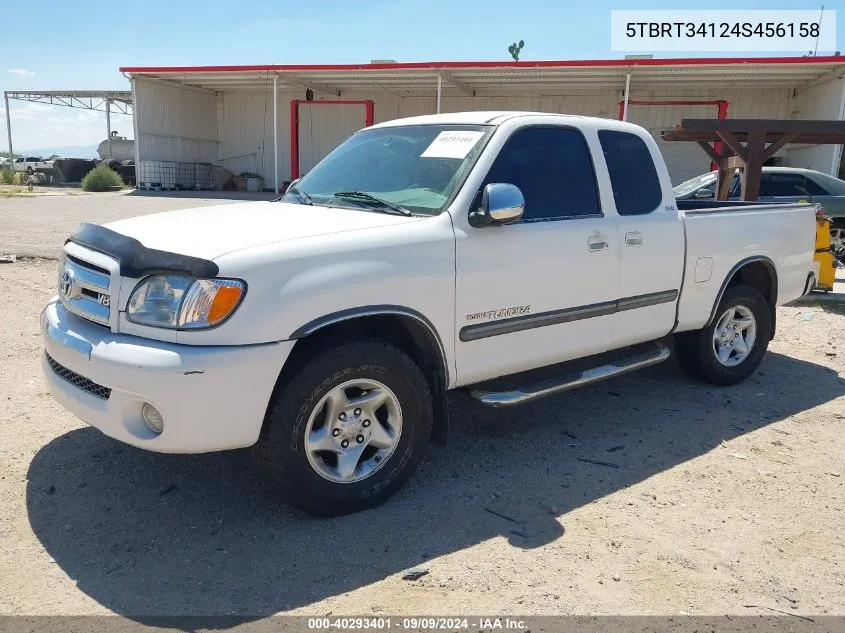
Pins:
x: 351, y: 425
x: 731, y: 348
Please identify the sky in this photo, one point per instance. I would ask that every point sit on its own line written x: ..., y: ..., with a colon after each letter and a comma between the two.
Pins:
x: 81, y: 45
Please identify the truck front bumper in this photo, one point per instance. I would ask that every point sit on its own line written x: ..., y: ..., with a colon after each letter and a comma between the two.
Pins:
x: 210, y: 397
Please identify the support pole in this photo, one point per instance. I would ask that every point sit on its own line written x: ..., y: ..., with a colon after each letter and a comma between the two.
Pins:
x: 135, y: 129
x: 756, y: 147
x: 275, y: 136
x: 9, y: 130
x: 627, y: 90
x: 439, y: 89
x: 108, y: 126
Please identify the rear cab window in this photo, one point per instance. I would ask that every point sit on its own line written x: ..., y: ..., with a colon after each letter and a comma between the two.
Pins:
x: 633, y: 176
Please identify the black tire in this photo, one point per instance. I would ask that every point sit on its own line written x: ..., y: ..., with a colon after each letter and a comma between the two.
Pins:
x: 695, y: 350
x: 281, y: 446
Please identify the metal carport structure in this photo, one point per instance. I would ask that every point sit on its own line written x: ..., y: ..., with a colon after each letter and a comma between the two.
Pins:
x: 98, y: 100
x: 212, y: 113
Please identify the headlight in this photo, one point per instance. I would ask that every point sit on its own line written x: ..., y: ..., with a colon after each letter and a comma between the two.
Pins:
x: 173, y: 301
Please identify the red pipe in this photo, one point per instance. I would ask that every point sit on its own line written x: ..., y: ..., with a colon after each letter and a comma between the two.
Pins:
x: 722, y: 114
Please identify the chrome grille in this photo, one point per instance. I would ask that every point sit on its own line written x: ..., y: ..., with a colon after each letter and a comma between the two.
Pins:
x: 77, y: 380
x: 85, y: 291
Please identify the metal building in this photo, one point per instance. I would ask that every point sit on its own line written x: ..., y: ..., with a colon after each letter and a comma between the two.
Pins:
x: 278, y: 121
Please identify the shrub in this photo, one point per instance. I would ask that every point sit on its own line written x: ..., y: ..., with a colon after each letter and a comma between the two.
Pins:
x: 101, y: 178
x: 7, y: 176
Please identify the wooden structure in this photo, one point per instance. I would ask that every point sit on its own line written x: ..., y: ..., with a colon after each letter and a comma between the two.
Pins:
x: 748, y: 143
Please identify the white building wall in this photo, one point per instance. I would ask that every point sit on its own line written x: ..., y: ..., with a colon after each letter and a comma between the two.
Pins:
x: 685, y: 160
x: 175, y: 123
x: 826, y: 101
x: 245, y: 128
x: 235, y: 128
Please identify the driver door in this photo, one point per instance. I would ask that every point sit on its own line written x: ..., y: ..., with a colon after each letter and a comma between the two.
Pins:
x: 541, y: 290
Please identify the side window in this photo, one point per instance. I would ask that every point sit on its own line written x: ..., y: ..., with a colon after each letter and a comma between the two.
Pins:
x: 736, y: 187
x: 553, y: 169
x: 814, y: 188
x: 31, y: 159
x: 636, y: 186
x: 776, y: 184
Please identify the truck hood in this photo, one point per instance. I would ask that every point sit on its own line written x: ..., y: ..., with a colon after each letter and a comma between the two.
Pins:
x: 209, y: 232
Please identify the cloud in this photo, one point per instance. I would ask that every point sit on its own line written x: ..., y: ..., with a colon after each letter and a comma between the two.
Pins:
x: 22, y: 71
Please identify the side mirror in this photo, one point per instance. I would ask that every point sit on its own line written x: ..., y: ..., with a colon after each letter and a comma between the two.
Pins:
x: 501, y: 203
x: 703, y: 194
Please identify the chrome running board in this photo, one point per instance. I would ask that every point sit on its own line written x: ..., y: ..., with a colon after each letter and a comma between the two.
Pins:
x: 573, y: 380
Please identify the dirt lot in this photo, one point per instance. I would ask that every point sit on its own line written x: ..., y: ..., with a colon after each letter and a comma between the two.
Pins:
x: 38, y: 224
x: 714, y: 498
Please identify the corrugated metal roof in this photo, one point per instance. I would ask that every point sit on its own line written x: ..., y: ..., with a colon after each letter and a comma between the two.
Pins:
x: 494, y: 77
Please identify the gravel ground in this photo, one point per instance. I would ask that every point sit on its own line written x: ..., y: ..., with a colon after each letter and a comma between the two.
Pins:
x: 711, y: 499
x: 37, y: 225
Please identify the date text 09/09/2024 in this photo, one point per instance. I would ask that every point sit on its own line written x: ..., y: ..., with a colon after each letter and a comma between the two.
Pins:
x: 417, y: 623
x: 722, y: 29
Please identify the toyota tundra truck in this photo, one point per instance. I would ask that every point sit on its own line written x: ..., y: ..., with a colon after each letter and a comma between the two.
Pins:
x: 483, y: 251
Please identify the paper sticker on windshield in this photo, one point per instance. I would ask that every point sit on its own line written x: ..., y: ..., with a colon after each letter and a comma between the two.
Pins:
x: 452, y: 144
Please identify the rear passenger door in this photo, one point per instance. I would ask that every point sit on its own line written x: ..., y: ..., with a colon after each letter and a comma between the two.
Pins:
x: 651, y: 236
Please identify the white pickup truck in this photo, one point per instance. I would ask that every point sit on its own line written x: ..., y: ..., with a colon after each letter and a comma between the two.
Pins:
x: 31, y: 164
x: 422, y: 255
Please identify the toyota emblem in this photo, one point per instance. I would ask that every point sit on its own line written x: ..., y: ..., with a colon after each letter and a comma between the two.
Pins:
x: 66, y: 284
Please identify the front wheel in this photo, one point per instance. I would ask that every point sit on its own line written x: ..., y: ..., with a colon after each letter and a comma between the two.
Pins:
x: 730, y: 349
x: 349, y: 427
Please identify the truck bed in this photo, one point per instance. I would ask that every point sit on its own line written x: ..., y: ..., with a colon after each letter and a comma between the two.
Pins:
x: 722, y: 235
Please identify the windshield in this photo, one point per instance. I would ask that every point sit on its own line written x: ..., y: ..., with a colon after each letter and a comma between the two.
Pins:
x: 414, y: 166
x: 691, y: 185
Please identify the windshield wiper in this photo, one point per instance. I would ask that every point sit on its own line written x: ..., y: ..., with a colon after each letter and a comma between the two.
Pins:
x: 306, y: 199
x: 366, y: 197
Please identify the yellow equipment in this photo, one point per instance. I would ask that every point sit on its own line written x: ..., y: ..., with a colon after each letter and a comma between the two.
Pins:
x: 824, y: 254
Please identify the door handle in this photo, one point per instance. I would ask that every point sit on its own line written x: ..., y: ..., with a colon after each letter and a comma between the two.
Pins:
x: 634, y: 238
x: 597, y: 242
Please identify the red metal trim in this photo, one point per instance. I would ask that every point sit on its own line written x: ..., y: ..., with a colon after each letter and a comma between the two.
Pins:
x: 333, y: 102
x: 369, y: 118
x: 720, y: 103
x: 572, y: 63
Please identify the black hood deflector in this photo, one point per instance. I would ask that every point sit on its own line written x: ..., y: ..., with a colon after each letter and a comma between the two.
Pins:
x: 135, y: 259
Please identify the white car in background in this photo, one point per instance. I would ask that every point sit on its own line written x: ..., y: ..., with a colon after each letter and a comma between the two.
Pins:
x: 32, y: 164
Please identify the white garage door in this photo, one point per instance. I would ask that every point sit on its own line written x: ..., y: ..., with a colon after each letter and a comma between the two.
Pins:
x: 684, y: 160
x: 323, y: 126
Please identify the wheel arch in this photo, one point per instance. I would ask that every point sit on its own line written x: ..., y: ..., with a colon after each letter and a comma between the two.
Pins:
x: 406, y: 328
x: 759, y: 272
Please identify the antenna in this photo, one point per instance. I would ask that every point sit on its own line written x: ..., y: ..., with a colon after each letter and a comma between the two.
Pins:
x: 821, y: 16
